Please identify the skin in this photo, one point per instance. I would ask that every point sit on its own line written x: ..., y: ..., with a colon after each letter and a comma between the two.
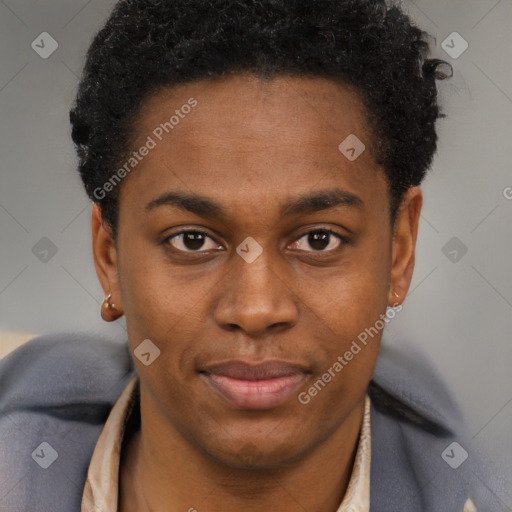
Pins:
x: 252, y: 146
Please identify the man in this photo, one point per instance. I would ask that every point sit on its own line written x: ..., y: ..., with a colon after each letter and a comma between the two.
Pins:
x: 255, y: 170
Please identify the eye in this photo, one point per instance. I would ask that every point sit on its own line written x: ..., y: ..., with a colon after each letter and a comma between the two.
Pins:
x: 320, y: 240
x: 190, y: 241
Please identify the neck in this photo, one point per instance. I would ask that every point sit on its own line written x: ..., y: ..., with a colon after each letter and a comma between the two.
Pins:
x: 163, y: 472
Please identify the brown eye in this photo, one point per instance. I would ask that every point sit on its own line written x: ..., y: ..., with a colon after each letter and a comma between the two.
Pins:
x: 319, y: 240
x: 191, y: 241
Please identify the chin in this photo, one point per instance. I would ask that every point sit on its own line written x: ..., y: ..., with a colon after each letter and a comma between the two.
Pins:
x: 258, y: 453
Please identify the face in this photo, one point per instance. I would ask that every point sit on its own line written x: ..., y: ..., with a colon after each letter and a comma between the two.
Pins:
x: 253, y: 253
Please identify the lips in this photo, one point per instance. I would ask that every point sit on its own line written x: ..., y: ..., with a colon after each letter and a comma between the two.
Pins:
x: 255, y: 386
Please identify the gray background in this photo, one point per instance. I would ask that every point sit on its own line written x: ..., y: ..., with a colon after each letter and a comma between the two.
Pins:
x: 459, y: 308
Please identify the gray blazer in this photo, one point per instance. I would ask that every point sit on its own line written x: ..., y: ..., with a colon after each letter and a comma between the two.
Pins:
x: 59, y: 389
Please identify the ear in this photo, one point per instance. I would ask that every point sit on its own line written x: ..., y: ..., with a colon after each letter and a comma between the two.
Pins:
x: 405, y: 233
x: 106, y: 262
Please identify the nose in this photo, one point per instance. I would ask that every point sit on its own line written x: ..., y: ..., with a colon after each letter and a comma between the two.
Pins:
x: 256, y: 297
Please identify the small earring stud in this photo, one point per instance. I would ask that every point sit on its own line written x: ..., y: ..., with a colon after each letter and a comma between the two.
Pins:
x: 109, y: 311
x: 107, y: 303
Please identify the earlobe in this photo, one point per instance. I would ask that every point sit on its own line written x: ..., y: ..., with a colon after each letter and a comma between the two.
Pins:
x: 404, y: 245
x: 106, y: 264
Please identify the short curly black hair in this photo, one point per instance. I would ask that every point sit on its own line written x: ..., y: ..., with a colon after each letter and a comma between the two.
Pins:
x: 371, y: 45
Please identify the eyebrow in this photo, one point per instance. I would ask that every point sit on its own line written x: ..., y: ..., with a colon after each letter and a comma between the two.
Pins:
x: 304, y: 204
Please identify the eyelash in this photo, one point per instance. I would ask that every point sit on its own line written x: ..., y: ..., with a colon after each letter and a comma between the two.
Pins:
x: 344, y: 240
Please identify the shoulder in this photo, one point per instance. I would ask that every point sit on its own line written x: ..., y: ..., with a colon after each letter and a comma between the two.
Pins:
x: 407, y: 386
x: 422, y: 456
x: 56, y: 392
x: 57, y: 368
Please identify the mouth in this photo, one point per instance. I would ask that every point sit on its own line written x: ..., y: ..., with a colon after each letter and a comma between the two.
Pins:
x: 255, y: 386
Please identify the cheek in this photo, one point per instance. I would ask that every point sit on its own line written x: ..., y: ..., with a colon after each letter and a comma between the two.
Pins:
x: 164, y: 305
x: 351, y: 315
x: 355, y: 295
x: 155, y: 296
x: 158, y: 311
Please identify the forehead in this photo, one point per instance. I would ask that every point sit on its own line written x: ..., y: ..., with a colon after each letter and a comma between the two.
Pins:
x: 308, y: 107
x: 252, y: 136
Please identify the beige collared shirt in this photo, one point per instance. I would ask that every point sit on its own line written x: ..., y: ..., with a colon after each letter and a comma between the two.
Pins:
x: 102, y: 484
